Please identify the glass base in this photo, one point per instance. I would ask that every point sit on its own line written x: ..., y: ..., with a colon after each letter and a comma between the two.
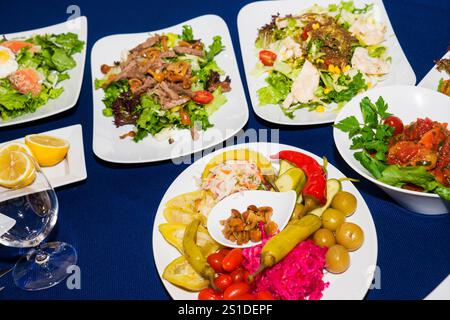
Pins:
x: 45, y: 266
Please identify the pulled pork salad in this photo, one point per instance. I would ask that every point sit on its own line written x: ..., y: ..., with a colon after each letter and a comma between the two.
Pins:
x: 321, y: 56
x: 167, y: 82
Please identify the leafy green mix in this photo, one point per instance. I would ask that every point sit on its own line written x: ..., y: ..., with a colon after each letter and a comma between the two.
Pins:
x: 372, y: 137
x: 333, y: 87
x: 151, y: 118
x: 52, y: 62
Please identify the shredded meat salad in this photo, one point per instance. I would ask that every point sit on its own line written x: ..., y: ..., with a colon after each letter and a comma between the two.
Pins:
x: 168, y: 81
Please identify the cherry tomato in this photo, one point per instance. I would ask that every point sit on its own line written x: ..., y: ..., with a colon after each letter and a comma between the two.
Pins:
x: 236, y: 290
x: 202, y: 97
x: 395, y: 123
x: 264, y: 295
x: 215, y: 261
x: 267, y: 57
x: 185, y: 119
x: 245, y: 296
x: 223, y: 281
x: 232, y: 260
x: 240, y: 275
x: 209, y: 294
x: 224, y: 251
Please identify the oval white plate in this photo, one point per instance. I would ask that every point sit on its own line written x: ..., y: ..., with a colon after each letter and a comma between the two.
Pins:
x: 256, y: 14
x: 72, y: 86
x: 351, y: 285
x: 282, y: 203
x: 227, y: 121
x: 408, y: 103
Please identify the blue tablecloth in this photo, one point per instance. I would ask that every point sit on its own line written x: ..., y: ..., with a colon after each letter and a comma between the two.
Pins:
x: 109, y: 217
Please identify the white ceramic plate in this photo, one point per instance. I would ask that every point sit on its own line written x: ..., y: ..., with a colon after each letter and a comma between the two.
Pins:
x: 352, y: 284
x: 256, y: 14
x: 72, y: 86
x: 73, y: 168
x: 227, y: 121
x: 408, y: 103
x: 282, y: 203
x: 431, y: 80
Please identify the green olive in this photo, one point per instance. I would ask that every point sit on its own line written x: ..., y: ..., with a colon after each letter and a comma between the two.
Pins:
x: 350, y: 235
x: 324, y: 238
x: 332, y: 219
x: 345, y: 202
x: 337, y: 259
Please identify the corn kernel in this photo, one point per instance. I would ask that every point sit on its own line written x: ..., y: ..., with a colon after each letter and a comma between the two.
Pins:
x: 369, y: 85
x: 315, y: 26
x: 337, y: 70
x: 346, y: 68
x: 331, y: 68
x: 327, y: 90
x: 319, y: 60
x: 320, y: 109
x: 176, y: 109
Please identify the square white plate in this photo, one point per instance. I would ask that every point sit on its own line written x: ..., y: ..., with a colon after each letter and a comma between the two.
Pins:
x: 227, y: 121
x: 431, y: 80
x: 73, y: 167
x: 71, y: 86
x: 254, y: 15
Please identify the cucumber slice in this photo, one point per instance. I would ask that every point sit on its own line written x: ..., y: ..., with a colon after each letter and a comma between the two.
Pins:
x: 333, y: 187
x: 292, y: 179
x: 285, y: 166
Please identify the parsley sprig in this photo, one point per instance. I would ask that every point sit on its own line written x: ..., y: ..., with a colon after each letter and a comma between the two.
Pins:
x: 371, y: 136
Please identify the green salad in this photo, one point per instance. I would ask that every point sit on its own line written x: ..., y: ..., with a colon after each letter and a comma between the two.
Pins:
x: 168, y: 82
x: 322, y: 56
x: 32, y: 69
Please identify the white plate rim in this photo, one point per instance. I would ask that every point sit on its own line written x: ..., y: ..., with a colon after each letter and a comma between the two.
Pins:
x: 156, y: 235
x: 248, y: 68
x: 240, y: 87
x: 80, y: 67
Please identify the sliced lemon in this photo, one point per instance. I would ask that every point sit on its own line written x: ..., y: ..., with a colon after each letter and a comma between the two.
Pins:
x: 47, y: 150
x: 16, y: 146
x: 16, y: 169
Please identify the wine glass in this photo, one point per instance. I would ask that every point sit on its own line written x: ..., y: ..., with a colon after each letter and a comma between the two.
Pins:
x: 29, y: 214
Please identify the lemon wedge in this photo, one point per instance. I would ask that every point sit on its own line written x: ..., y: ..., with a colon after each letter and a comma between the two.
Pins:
x: 16, y: 146
x: 16, y: 169
x: 47, y: 150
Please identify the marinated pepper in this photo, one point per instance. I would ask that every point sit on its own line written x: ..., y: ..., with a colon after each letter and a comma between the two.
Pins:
x: 194, y: 255
x: 280, y: 245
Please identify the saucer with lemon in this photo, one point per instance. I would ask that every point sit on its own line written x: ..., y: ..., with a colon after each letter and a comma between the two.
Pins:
x: 18, y: 160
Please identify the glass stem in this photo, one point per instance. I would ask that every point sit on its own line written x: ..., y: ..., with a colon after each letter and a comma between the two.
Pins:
x: 41, y: 257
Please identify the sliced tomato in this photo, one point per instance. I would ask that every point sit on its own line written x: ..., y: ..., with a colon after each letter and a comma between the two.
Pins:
x: 26, y: 81
x: 202, y: 97
x: 185, y: 119
x: 267, y: 57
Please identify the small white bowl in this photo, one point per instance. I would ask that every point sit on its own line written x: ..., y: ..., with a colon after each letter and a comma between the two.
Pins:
x: 408, y: 103
x: 282, y: 203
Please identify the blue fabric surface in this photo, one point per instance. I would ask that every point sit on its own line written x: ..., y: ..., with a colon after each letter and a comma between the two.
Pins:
x: 109, y: 217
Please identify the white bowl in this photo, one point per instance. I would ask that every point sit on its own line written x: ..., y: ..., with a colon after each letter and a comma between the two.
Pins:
x: 282, y: 204
x: 408, y: 103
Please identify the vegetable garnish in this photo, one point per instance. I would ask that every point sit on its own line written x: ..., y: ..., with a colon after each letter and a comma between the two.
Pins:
x: 168, y: 82
x: 31, y: 71
x: 414, y: 157
x: 321, y: 56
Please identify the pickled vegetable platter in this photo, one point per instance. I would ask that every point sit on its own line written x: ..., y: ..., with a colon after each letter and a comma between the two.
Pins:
x: 331, y: 223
